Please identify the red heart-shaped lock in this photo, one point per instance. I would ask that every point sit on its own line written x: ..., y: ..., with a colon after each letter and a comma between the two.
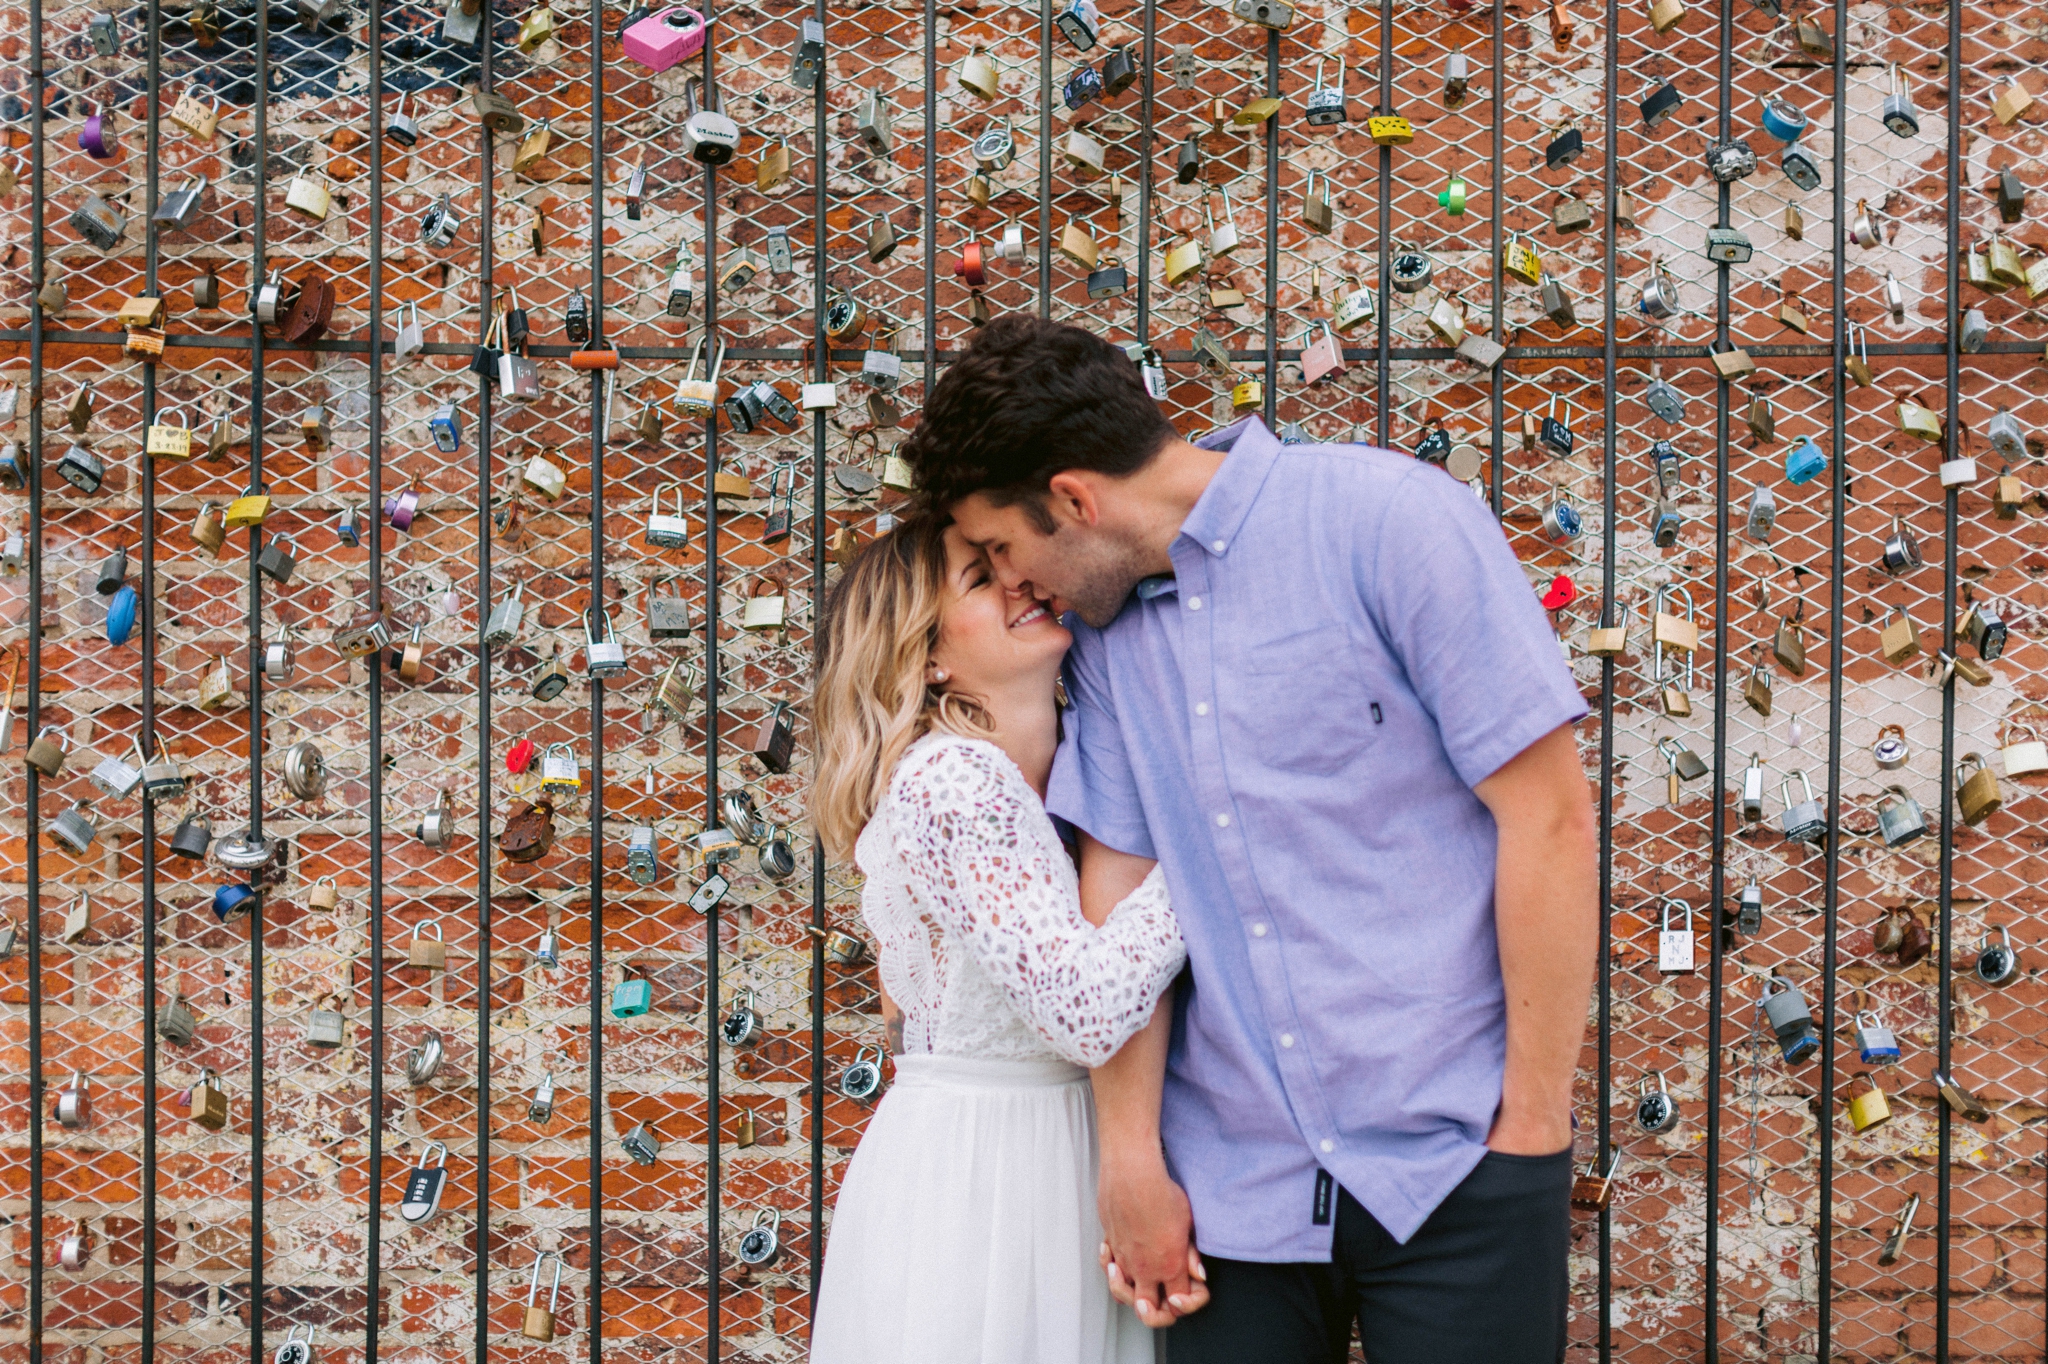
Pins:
x: 520, y: 757
x: 1563, y: 592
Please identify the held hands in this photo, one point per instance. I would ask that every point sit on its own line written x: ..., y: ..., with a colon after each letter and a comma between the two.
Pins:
x: 1148, y: 1252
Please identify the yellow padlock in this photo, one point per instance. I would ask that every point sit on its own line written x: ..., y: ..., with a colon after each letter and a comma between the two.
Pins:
x: 532, y: 149
x: 1256, y: 112
x: 1390, y: 130
x: 1248, y: 396
x: 248, y: 510
x: 1183, y: 260
x: 196, y: 118
x: 165, y: 441
x: 308, y: 196
x: 1078, y: 246
x: 1519, y: 260
x: 141, y: 311
x: 2002, y: 260
x: 1870, y: 1108
x: 2011, y: 102
x: 1916, y: 420
x: 537, y: 27
x: 2037, y: 278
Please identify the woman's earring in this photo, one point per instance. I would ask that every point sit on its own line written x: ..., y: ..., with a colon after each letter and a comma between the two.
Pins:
x: 939, y: 675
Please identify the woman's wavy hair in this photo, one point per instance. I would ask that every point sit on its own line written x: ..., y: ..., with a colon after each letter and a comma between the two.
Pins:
x: 880, y: 625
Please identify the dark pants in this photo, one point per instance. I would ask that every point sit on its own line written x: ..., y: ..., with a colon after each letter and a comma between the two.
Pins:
x: 1483, y: 1282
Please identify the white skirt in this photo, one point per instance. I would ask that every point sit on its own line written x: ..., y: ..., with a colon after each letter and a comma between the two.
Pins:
x: 966, y: 1230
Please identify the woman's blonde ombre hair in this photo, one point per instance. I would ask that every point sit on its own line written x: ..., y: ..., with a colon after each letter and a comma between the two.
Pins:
x: 880, y: 625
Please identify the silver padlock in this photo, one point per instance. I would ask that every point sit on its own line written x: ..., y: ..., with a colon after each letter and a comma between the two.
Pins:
x: 503, y: 626
x: 871, y: 120
x: 268, y: 300
x: 177, y: 211
x: 604, y: 657
x: 708, y: 135
x: 437, y: 828
x: 73, y: 1251
x: 1804, y: 821
x: 1675, y: 946
x: 1749, y: 909
x: 74, y: 1102
x: 1785, y: 1009
x: 439, y: 224
x: 862, y: 1081
x: 1762, y: 515
x: 2006, y: 436
x: 1875, y: 1043
x: 541, y: 1107
x: 668, y: 530
x: 116, y: 777
x: 1656, y: 1111
x: 742, y: 1027
x: 1899, y: 817
x: 641, y: 862
x: 1998, y: 963
x: 762, y: 1244
x: 642, y: 1144
x: 324, y: 1028
x: 423, y: 1062
x: 74, y: 828
x: 296, y: 1349
x: 280, y: 655
x: 1753, y: 789
x: 548, y: 951
x: 175, y: 1021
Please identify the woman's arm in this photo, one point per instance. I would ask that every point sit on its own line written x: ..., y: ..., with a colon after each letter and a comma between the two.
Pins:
x: 981, y: 853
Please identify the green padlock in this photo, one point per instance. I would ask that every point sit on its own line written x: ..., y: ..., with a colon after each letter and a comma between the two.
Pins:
x: 1452, y: 199
x: 631, y: 997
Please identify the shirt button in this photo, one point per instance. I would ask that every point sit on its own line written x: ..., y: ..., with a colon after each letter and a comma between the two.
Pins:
x: 1194, y: 603
x: 1216, y: 545
x: 1223, y: 821
x: 1258, y: 930
x: 1328, y: 1146
x: 1286, y: 1039
x: 1201, y: 707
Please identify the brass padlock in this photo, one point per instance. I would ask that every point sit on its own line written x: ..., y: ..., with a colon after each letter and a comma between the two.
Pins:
x: 771, y: 172
x: 977, y: 74
x: 532, y: 148
x: 1571, y: 214
x: 46, y: 754
x: 1733, y: 363
x: 1519, y: 261
x: 1248, y: 396
x: 209, y: 532
x: 1609, y: 641
x: 2012, y: 101
x: 1789, y: 645
x: 537, y: 27
x: 1182, y: 261
x: 1079, y: 247
x: 428, y: 954
x: 1918, y: 420
x: 248, y: 510
x: 1900, y: 638
x: 216, y: 686
x: 206, y: 1103
x: 1857, y: 358
x: 1977, y: 792
x: 141, y: 311
x: 307, y: 196
x: 196, y: 117
x: 1757, y: 690
x: 1670, y: 630
x: 540, y: 1321
x: 324, y: 895
x: 1666, y: 15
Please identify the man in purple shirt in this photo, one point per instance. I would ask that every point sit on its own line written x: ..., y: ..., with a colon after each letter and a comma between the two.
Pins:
x: 1314, y: 683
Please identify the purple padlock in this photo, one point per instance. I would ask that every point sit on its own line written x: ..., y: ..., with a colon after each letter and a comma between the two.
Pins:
x: 663, y: 39
x: 400, y: 508
x: 96, y: 138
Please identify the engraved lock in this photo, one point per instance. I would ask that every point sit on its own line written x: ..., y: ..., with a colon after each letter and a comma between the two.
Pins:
x: 633, y: 995
x: 74, y: 1102
x: 1899, y: 817
x: 1389, y: 129
x: 708, y: 135
x: 1791, y: 1021
x: 1325, y: 106
x: 296, y: 1349
x: 1867, y: 1107
x: 668, y: 615
x: 1593, y: 1190
x: 420, y: 1204
x: 872, y: 118
x: 742, y: 1027
x: 1519, y: 260
x: 1655, y: 1110
x: 1675, y: 944
x: 1447, y: 319
x: 206, y: 1103
x: 539, y: 1323
x: 664, y: 38
x: 423, y: 1062
x: 762, y: 1244
x: 427, y: 953
x: 576, y: 318
x: 780, y: 261
x: 1081, y: 23
x: 642, y: 1144
x: 862, y: 1081
x: 1804, y: 821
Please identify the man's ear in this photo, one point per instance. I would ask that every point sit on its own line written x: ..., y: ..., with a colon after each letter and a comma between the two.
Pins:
x: 1072, y: 496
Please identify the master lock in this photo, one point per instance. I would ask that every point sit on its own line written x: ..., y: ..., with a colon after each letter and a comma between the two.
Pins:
x: 1659, y: 105
x: 206, y: 1103
x: 296, y: 1349
x: 116, y: 777
x: 708, y: 135
x: 1728, y: 246
x: 642, y: 863
x: 424, y: 1183
x: 175, y: 1021
x: 643, y: 1144
x: 1899, y: 817
x: 2010, y: 441
x: 560, y: 772
x: 74, y: 1102
x: 275, y: 562
x: 1867, y: 1108
x: 99, y: 222
x: 82, y: 469
x: 762, y: 1244
x: 1325, y: 104
x: 423, y: 1062
x: 1785, y: 1009
x: 1655, y: 1109
x: 668, y: 616
x: 74, y: 828
x: 742, y: 1027
x: 862, y: 1081
x: 604, y: 657
x: 1804, y: 821
x: 1901, y: 119
x: 1875, y: 1043
x: 1800, y: 168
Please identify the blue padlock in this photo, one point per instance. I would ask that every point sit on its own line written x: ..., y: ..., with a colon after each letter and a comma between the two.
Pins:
x: 630, y: 998
x: 1805, y: 461
x: 232, y: 902
x: 1082, y: 88
x: 349, y: 529
x: 446, y: 427
x: 1877, y: 1044
x: 1784, y: 120
x: 121, y: 614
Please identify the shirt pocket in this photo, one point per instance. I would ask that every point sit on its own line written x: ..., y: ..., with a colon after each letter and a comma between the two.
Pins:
x: 1303, y: 703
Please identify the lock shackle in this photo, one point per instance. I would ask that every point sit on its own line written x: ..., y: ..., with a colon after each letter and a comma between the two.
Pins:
x: 1900, y: 792
x: 1678, y: 590
x: 549, y: 751
x: 209, y: 1078
x: 771, y: 1216
x: 420, y: 930
x: 1664, y: 922
x: 428, y: 1155
x: 1867, y: 1078
x: 1968, y: 760
x: 1643, y: 1086
x: 1876, y: 1021
x: 603, y: 613
x: 533, y: 1280
x: 1785, y: 787
x: 292, y: 1334
x: 1775, y: 979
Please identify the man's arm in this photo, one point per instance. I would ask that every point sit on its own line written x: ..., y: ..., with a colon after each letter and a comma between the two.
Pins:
x: 1146, y: 1222
x: 1547, y: 919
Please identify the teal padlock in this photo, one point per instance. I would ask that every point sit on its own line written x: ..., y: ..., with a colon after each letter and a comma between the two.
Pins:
x: 1805, y: 461
x: 632, y: 997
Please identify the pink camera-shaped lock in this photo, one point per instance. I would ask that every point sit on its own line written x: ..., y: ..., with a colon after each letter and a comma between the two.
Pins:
x: 661, y: 40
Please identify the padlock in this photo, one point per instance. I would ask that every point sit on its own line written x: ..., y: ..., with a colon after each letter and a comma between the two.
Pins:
x: 1323, y: 357
x: 762, y: 1244
x: 668, y: 617
x: 771, y: 740
x: 1972, y: 331
x: 1659, y: 296
x: 560, y: 772
x: 115, y: 777
x: 1757, y: 690
x: 1187, y: 166
x: 403, y: 506
x: 1986, y: 633
x: 1593, y: 1190
x: 1868, y: 1108
x: 206, y: 1103
x: 1669, y: 630
x: 665, y: 530
x: 1785, y: 1009
x: 175, y: 1021
x: 46, y: 754
x: 1571, y: 214
x: 872, y: 118
x: 192, y: 837
x: 642, y: 862
x: 1804, y: 821
x: 1728, y: 246
x: 178, y: 210
x: 1609, y: 641
x: 576, y: 318
x: 99, y: 222
x: 1998, y: 963
x: 296, y: 1349
x: 1875, y: 1043
x: 2012, y: 101
x: 232, y: 903
x: 633, y: 995
x: 529, y: 833
x: 1083, y: 87
x: 82, y: 469
x: 440, y: 222
x: 1389, y: 129
x: 307, y: 197
x: 541, y: 1107
x: 1324, y: 107
x: 1655, y: 1110
x: 436, y: 828
x: 1675, y: 945
x: 323, y: 895
x: 2010, y: 441
x: 74, y: 1250
x: 1899, y: 817
x: 642, y: 1144
x: 664, y: 38
x: 1519, y: 260
x: 96, y: 135
x: 423, y: 1062
x: 539, y: 1323
x: 1900, y: 551
x: 742, y: 1027
x: 276, y: 564
x: 862, y: 1080
x: 1788, y: 645
x: 1447, y: 319
x: 420, y: 1204
x: 424, y: 952
x: 74, y: 1102
x: 2012, y: 196
x: 1976, y: 789
x: 1566, y: 145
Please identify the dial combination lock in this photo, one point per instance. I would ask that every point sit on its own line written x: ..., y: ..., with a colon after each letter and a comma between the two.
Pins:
x: 1412, y: 271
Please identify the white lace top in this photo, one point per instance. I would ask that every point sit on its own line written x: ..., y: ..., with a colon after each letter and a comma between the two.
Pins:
x: 977, y: 909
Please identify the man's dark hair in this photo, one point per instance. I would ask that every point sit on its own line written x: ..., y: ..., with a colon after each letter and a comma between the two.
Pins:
x: 1028, y: 399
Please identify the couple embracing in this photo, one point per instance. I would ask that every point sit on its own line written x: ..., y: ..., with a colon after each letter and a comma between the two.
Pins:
x: 1233, y: 875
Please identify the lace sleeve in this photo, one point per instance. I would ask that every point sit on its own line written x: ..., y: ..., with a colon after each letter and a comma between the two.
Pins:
x: 981, y: 852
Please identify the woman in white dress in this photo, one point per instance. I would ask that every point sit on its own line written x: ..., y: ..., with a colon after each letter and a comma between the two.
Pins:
x: 966, y: 1228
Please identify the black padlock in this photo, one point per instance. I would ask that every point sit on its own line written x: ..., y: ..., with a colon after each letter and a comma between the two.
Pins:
x: 2012, y: 196
x: 743, y: 410
x: 1119, y: 72
x: 1109, y: 280
x: 206, y: 290
x: 1435, y: 447
x: 1564, y: 149
x: 484, y: 361
x: 192, y: 837
x: 517, y: 327
x: 113, y: 572
x: 576, y: 319
x: 772, y: 741
x: 1190, y: 163
x: 1660, y: 104
x: 274, y: 563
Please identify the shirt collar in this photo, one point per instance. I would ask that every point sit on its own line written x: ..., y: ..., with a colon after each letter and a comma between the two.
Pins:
x: 1228, y: 499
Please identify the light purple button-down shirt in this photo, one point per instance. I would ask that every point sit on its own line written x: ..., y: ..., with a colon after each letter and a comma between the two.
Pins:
x: 1294, y: 728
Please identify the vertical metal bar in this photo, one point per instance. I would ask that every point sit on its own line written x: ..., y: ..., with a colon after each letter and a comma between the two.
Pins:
x: 1824, y: 1240
x: 1142, y: 238
x: 485, y: 291
x: 931, y: 186
x: 1609, y: 584
x: 255, y: 626
x: 595, y: 1225
x: 1272, y: 126
x: 1718, y: 834
x: 32, y: 830
x: 1498, y: 306
x: 146, y: 1327
x: 819, y: 373
x: 1044, y: 152
x: 1951, y: 528
x: 374, y: 533
x: 1384, y: 360
x: 714, y: 1273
